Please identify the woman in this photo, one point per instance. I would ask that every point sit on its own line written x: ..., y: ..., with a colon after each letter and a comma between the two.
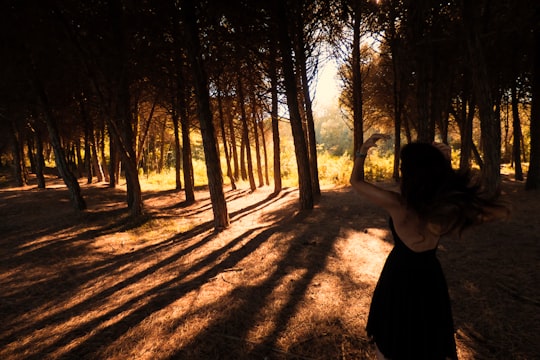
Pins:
x: 410, y: 315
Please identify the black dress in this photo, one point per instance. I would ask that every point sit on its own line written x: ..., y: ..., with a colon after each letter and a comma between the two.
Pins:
x: 410, y: 315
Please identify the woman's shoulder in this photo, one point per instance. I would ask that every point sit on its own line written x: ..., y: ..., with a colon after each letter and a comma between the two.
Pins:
x: 416, y: 234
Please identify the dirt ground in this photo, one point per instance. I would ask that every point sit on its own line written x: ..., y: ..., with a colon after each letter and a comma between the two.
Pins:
x: 278, y: 284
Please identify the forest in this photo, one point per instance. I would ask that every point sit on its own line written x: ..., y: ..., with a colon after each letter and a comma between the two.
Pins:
x: 103, y: 94
x: 108, y: 89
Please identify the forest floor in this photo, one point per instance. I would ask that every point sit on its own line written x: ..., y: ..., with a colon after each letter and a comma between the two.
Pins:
x: 277, y: 284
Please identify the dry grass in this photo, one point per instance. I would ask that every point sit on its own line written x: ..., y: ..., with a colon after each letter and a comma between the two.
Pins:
x: 278, y: 284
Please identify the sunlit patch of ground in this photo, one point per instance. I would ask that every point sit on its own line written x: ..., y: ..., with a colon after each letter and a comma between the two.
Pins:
x: 278, y: 284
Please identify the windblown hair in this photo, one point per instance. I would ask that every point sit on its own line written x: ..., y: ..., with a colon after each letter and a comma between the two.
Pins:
x: 438, y: 193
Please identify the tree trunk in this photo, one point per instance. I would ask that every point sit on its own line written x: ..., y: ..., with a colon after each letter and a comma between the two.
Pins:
x: 224, y: 140
x: 18, y: 162
x: 300, y: 148
x: 31, y: 152
x: 88, y: 134
x: 396, y: 93
x: 245, y: 131
x: 142, y: 137
x: 257, y: 145
x: 185, y: 125
x: 40, y: 161
x: 274, y: 115
x: 162, y: 146
x: 533, y: 176
x: 265, y: 152
x: 178, y: 95
x: 189, y: 181
x: 422, y: 66
x: 87, y: 156
x: 242, y: 159
x: 121, y: 125
x: 358, y: 120
x: 113, y: 161
x: 61, y: 164
x: 234, y: 150
x: 101, y: 144
x: 468, y: 106
x: 516, y: 125
x: 213, y: 170
x: 489, y: 123
x: 177, y: 150
x: 310, y: 124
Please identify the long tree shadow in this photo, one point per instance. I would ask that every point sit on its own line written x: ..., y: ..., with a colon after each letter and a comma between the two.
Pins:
x: 85, y: 273
x: 168, y: 292
x: 303, y: 251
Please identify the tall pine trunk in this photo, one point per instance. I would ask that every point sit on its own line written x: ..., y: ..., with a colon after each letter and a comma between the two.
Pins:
x: 18, y: 161
x: 61, y: 163
x: 224, y: 140
x: 213, y: 170
x: 308, y: 110
x: 516, y: 125
x: 40, y: 161
x: 300, y: 147
x: 533, y: 176
x: 177, y: 149
x: 245, y: 132
x: 358, y: 128
x: 489, y: 123
x: 274, y: 115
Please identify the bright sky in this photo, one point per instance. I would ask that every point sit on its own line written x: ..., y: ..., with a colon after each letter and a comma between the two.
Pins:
x: 327, y: 88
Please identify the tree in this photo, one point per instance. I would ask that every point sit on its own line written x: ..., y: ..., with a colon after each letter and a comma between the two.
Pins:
x: 304, y: 28
x: 61, y: 164
x: 36, y: 31
x: 274, y: 113
x: 279, y: 15
x: 516, y: 126
x: 489, y: 123
x: 213, y: 170
x: 533, y: 176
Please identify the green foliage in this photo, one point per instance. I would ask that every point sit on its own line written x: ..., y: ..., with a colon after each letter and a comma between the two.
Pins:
x: 334, y: 170
x: 332, y: 132
x: 379, y: 165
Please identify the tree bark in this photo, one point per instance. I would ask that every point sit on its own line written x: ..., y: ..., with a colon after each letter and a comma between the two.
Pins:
x: 40, y: 161
x: 124, y: 133
x: 224, y: 140
x: 213, y: 170
x: 533, y: 176
x: 185, y: 124
x: 113, y: 161
x: 422, y: 61
x: 257, y: 144
x: 358, y: 121
x: 397, y: 92
x: 516, y: 125
x: 18, y: 163
x: 465, y: 122
x: 489, y: 123
x: 300, y: 147
x: 245, y: 131
x: 61, y: 164
x: 265, y: 152
x: 274, y: 115
x: 177, y: 151
x: 310, y: 124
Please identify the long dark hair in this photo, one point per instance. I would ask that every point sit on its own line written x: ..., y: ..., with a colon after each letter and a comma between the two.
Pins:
x: 438, y: 193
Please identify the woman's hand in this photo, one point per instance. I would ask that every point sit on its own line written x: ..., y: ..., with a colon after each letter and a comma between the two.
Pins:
x: 372, y: 142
